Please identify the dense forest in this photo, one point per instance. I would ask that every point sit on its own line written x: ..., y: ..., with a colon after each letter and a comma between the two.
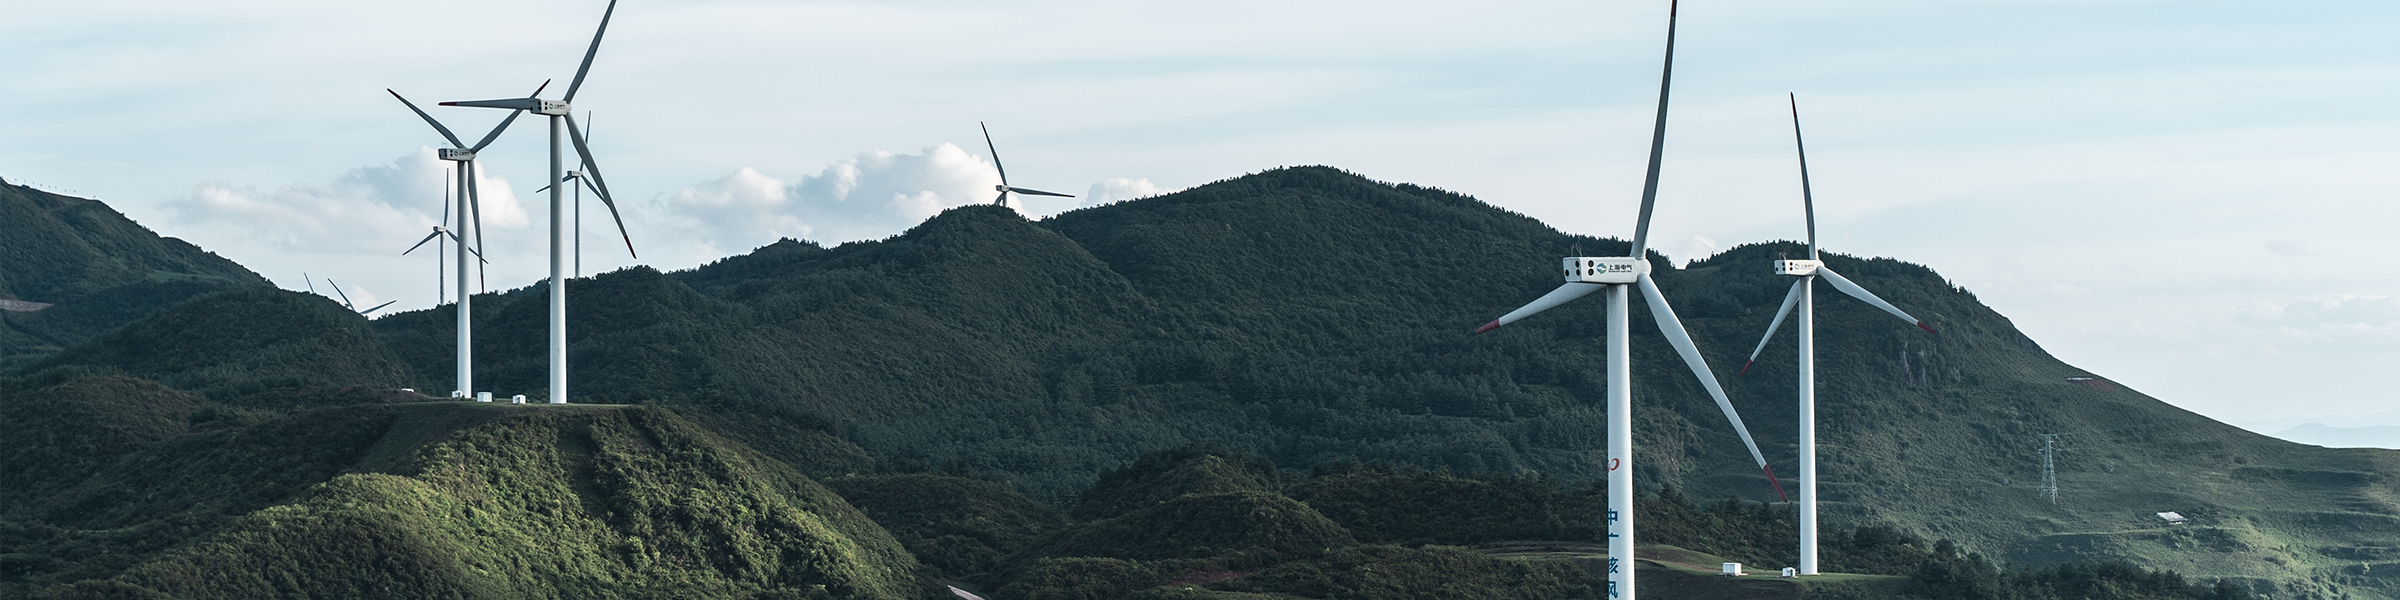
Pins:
x: 1018, y: 407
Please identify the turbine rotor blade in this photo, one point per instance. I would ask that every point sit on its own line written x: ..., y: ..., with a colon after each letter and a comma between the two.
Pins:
x: 475, y: 207
x: 1682, y: 341
x: 1562, y: 295
x: 437, y: 232
x: 437, y: 125
x: 1843, y: 283
x: 591, y: 173
x: 1789, y: 300
x: 1658, y: 143
x: 1807, y: 199
x: 987, y: 144
x: 591, y: 52
x: 337, y: 288
x: 495, y: 134
x: 377, y: 307
x: 1039, y: 192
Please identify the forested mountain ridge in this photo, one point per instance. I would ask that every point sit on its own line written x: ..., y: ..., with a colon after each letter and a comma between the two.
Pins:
x: 1311, y: 316
x: 92, y: 267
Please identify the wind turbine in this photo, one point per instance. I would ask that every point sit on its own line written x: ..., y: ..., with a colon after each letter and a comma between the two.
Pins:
x: 1618, y: 276
x: 577, y: 176
x: 337, y: 289
x: 470, y: 203
x: 1004, y: 188
x: 562, y: 116
x: 1804, y: 296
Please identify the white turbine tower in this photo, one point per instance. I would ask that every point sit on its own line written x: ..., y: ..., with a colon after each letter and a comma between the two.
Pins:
x: 1617, y: 275
x: 1004, y: 188
x: 1804, y: 296
x: 470, y: 224
x: 562, y: 117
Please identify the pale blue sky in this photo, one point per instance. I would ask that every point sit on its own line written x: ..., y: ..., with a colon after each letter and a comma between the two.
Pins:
x: 2193, y: 198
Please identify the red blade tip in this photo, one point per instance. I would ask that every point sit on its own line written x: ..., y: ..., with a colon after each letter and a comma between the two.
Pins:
x: 1495, y: 324
x: 1927, y: 328
x: 1745, y: 368
x: 1778, y: 484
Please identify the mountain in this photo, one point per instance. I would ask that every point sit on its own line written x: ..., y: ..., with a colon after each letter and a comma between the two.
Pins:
x: 71, y: 268
x: 1305, y: 316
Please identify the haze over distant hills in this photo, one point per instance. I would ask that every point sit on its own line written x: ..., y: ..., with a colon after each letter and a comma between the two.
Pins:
x: 1305, y: 315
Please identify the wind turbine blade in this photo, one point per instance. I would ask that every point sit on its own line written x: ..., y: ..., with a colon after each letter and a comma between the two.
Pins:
x: 495, y: 134
x: 475, y: 207
x: 587, y: 184
x: 589, y: 53
x: 1789, y: 300
x: 437, y: 232
x: 1039, y: 192
x: 437, y: 125
x: 1562, y: 295
x: 377, y: 307
x: 312, y: 285
x: 1658, y: 143
x: 963, y: 594
x: 1843, y: 283
x: 987, y: 144
x: 507, y: 103
x: 1682, y: 340
x: 446, y: 195
x: 337, y: 288
x: 591, y: 172
x: 1807, y: 199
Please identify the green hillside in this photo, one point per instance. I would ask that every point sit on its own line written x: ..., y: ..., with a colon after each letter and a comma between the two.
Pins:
x: 94, y: 268
x: 1303, y: 316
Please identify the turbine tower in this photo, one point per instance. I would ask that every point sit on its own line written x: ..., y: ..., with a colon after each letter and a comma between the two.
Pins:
x: 1619, y: 276
x: 1004, y: 188
x: 562, y: 117
x: 470, y: 223
x: 1804, y: 296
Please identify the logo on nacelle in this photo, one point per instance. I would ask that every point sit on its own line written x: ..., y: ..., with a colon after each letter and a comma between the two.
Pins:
x: 1798, y: 267
x: 1603, y: 269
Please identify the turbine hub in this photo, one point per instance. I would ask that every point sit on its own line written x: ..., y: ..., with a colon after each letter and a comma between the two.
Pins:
x: 1603, y: 269
x: 455, y: 154
x: 1000, y: 188
x: 1798, y: 268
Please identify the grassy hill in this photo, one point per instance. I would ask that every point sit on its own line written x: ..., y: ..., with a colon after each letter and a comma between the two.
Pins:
x: 413, y: 498
x: 94, y: 268
x: 1304, y: 316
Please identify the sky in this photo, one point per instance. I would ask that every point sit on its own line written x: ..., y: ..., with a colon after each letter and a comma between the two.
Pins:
x: 2190, y: 198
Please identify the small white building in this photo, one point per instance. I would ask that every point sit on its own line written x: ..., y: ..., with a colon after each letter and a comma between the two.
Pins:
x: 2172, y: 519
x: 1733, y: 569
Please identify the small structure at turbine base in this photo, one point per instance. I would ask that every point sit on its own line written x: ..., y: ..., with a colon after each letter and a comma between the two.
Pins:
x: 1733, y: 569
x: 483, y: 396
x: 2172, y: 518
x: 1790, y: 572
x: 517, y: 399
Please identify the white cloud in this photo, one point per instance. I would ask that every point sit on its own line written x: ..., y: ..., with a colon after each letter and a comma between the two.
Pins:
x: 375, y: 209
x: 871, y: 195
x: 1119, y: 189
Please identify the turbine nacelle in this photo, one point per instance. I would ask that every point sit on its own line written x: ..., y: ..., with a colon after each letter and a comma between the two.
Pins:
x: 1798, y: 268
x: 1603, y: 269
x: 455, y: 154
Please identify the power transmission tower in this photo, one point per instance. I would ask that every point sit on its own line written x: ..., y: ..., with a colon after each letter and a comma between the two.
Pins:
x: 2050, y: 467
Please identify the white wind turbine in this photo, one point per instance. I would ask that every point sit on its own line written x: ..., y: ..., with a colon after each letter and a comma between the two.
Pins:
x: 1004, y: 188
x: 1616, y: 275
x: 441, y: 237
x: 562, y: 118
x: 337, y: 289
x: 470, y: 224
x: 1804, y: 296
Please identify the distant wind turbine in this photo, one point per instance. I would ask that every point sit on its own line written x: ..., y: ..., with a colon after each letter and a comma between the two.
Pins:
x: 1617, y: 275
x: 577, y: 176
x: 337, y: 289
x: 1004, y: 188
x: 562, y: 118
x: 1804, y: 296
x: 470, y: 205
